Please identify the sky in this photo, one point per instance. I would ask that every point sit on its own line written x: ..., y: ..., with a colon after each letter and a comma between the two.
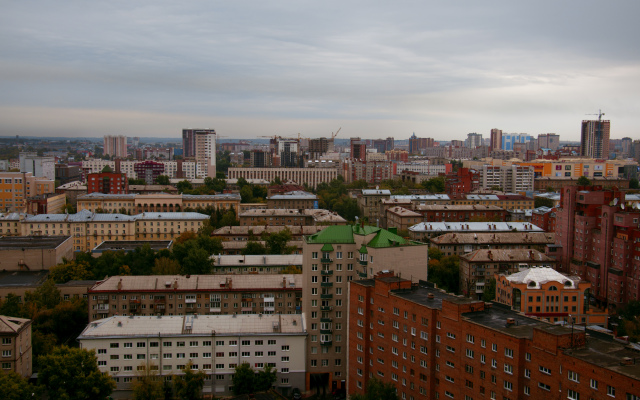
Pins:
x: 374, y: 69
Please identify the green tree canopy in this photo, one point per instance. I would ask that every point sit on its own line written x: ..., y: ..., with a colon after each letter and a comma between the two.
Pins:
x: 377, y: 390
x: 163, y: 180
x: 253, y: 248
x: 276, y: 242
x: 73, y: 374
x: 243, y: 379
x: 14, y: 387
x: 184, y: 186
x: 189, y: 385
x: 584, y: 181
x: 166, y: 266
x: 69, y: 271
x: 445, y: 273
x: 542, y: 202
x: 434, y: 185
x: 265, y: 379
x: 489, y: 293
x: 147, y: 385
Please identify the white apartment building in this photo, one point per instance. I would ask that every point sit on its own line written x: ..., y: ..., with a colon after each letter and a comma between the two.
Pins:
x: 205, y: 153
x: 115, y: 146
x: 189, y: 168
x: 40, y: 167
x: 310, y: 176
x: 421, y: 168
x: 214, y: 344
x: 513, y: 178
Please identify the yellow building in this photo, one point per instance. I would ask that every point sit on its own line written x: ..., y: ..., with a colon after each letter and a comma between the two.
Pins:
x: 16, y: 187
x: 158, y: 202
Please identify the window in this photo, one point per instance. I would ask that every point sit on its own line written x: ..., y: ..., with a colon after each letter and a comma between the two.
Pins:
x: 573, y: 395
x: 508, y: 353
x: 6, y: 353
x: 611, y: 391
x: 545, y: 370
x: 508, y: 385
x: 494, y: 347
x: 544, y: 386
x: 573, y: 376
x: 470, y: 338
x: 469, y: 353
x: 508, y: 368
x: 593, y: 384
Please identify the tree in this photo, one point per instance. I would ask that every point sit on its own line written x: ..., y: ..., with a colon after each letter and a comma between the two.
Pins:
x: 184, y: 186
x: 133, y: 181
x: 107, y: 169
x: 165, y: 266
x: 189, y: 385
x: 163, y: 180
x: 246, y: 194
x: 12, y: 306
x: 198, y: 261
x: 584, y: 181
x: 243, y: 379
x: 229, y: 219
x: 265, y: 379
x: 435, y: 253
x: 253, y: 248
x: 147, y: 385
x: 46, y: 296
x: 72, y: 373
x: 277, y: 242
x: 633, y: 183
x: 69, y: 271
x: 434, y: 185
x: 445, y: 273
x: 489, y: 293
x: 377, y: 390
x: 14, y: 387
x: 542, y: 202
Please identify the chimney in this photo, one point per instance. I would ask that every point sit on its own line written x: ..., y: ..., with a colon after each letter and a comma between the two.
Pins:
x: 430, y: 296
x: 511, y: 322
x: 120, y: 284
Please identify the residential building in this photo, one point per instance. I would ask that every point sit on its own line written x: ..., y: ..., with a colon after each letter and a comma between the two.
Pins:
x: 510, y: 139
x: 257, y: 264
x: 459, y: 213
x: 558, y: 183
x: 461, y: 182
x: 72, y: 190
x: 544, y: 217
x: 173, y: 169
x: 235, y: 247
x: 597, y: 234
x: 107, y: 183
x: 495, y: 141
x: 462, y: 243
x: 32, y: 253
x: 149, y: 171
x: 157, y: 202
x: 310, y: 176
x: 115, y: 146
x: 594, y: 139
x: 214, y: 344
x: 289, y: 153
x: 424, y: 231
x: 512, y: 179
x: 331, y: 259
x: 283, y: 217
x: 15, y: 335
x: 358, y: 149
x: 369, y: 203
x: 260, y: 159
x: 152, y: 189
x: 506, y: 201
x: 50, y: 203
x: 399, y: 155
x: 478, y: 267
x: 40, y: 167
x: 422, y: 168
x: 244, y: 233
x: 549, y: 141
x: 431, y: 344
x: 295, y: 199
x: 473, y: 140
x: 18, y: 283
x: 400, y: 219
x: 195, y: 294
x: 545, y: 293
x: 420, y: 199
x: 17, y: 187
x: 190, y: 140
x: 371, y: 171
x: 68, y: 173
x: 127, y: 246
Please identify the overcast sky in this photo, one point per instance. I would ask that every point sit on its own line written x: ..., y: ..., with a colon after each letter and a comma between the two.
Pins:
x: 376, y: 69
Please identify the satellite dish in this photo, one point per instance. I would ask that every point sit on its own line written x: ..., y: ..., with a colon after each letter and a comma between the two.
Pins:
x: 622, y: 206
x: 615, y: 201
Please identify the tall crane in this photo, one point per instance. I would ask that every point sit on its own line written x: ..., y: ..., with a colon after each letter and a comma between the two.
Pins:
x: 333, y: 135
x: 599, y: 114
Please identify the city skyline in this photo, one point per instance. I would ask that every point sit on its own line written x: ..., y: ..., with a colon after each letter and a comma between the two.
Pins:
x: 152, y: 69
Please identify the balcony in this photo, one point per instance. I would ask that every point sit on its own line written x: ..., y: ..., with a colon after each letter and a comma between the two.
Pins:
x: 160, y: 306
x: 364, y: 262
x: 326, y: 272
x: 326, y: 296
x: 190, y: 301
x: 362, y: 274
x: 326, y: 284
x: 326, y: 319
x: 326, y: 343
x: 326, y: 308
x: 326, y: 260
x: 326, y: 331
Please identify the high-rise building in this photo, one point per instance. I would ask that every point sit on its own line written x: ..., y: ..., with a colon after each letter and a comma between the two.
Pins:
x: 390, y: 143
x: 548, y: 141
x: 189, y: 145
x: 331, y: 259
x: 40, y: 167
x: 380, y: 145
x: 205, y: 153
x: 594, y: 139
x: 510, y: 139
x: 115, y: 146
x: 495, y: 142
x: 260, y: 159
x: 358, y: 149
x: 473, y: 140
x: 288, y: 150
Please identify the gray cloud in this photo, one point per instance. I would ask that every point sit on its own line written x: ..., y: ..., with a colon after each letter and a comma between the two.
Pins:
x: 248, y: 68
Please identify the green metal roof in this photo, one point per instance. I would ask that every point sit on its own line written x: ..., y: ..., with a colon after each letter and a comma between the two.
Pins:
x: 363, y: 249
x: 327, y: 247
x: 333, y: 234
x: 345, y: 233
x: 384, y: 238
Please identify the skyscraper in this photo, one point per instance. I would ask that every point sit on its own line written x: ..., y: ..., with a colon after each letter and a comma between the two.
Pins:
x: 473, y: 140
x: 495, y: 142
x: 358, y: 149
x: 115, y: 146
x: 594, y: 139
x: 189, y: 140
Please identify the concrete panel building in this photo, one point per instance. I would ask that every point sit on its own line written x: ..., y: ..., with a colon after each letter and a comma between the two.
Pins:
x: 115, y: 146
x: 33, y: 253
x: 427, y: 230
x: 310, y: 176
x: 15, y: 344
x: 462, y: 243
x: 214, y: 344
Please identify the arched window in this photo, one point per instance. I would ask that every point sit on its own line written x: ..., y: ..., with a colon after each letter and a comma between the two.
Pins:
x: 553, y: 288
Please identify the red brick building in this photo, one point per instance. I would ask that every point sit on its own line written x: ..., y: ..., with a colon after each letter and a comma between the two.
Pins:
x: 461, y: 182
x: 598, y: 236
x: 107, y: 182
x: 459, y: 213
x: 433, y: 345
x: 149, y: 171
x: 544, y: 217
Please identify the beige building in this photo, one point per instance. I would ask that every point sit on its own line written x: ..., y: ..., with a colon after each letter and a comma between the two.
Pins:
x: 310, y: 176
x: 158, y: 202
x: 256, y: 264
x: 282, y: 217
x: 15, y: 336
x: 369, y: 203
x: 233, y: 247
x: 72, y: 191
x: 89, y: 230
x: 32, y: 253
x: 244, y: 233
x: 16, y: 187
x: 462, y: 243
x: 291, y: 200
x: 331, y: 259
x: 195, y: 294
x: 214, y: 344
x: 401, y: 219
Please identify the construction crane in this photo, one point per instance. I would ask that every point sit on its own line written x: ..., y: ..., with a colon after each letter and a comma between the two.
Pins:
x: 333, y: 135
x: 599, y: 114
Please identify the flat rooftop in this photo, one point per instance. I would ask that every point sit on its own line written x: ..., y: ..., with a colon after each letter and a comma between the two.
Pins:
x: 266, y: 260
x: 31, y: 242
x: 117, y: 245
x: 495, y: 238
x: 22, y: 278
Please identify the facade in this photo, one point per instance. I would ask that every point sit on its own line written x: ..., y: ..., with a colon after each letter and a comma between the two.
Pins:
x: 400, y: 218
x: 371, y: 171
x: 284, y: 217
x: 195, y: 294
x: 149, y: 171
x: 495, y: 141
x: 473, y: 140
x: 260, y: 159
x: 33, y: 253
x: 173, y: 169
x: 479, y: 267
x: 16, y: 345
x: 115, y: 146
x: 68, y: 173
x: 594, y: 139
x: 597, y: 234
x: 358, y: 149
x: 257, y: 264
x: 107, y: 183
x: 205, y: 153
x: 512, y: 179
x: 40, y: 167
x: 369, y: 203
x: 235, y: 247
x: 424, y: 231
x: 506, y: 201
x: 245, y: 233
x: 464, y: 349
x: 295, y: 199
x: 462, y: 243
x: 310, y: 176
x: 422, y: 168
x: 214, y: 344
x: 547, y: 183
x: 157, y: 202
x: 331, y: 259
x: 459, y: 213
x: 461, y: 182
x: 548, y: 294
x: 549, y: 141
x: 50, y: 203
x: 544, y: 217
x: 17, y: 187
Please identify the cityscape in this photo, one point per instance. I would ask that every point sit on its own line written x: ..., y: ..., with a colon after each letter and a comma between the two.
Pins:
x: 296, y: 201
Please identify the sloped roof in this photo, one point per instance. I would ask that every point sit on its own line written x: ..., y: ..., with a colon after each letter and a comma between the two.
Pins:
x: 11, y: 324
x: 534, y: 277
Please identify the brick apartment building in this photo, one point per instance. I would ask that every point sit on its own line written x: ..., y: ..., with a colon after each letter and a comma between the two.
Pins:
x: 462, y: 243
x: 331, y: 259
x: 244, y: 233
x: 107, y: 182
x: 195, y: 294
x: 598, y: 233
x: 430, y: 344
x: 545, y: 218
x: 461, y: 182
x: 15, y: 344
x: 283, y: 216
x: 401, y: 218
x: 506, y: 201
x: 460, y: 213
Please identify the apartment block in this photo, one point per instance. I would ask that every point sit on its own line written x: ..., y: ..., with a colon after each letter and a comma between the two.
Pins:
x: 545, y: 293
x: 430, y: 344
x: 401, y: 219
x: 461, y: 213
x: 425, y: 231
x: 157, y: 202
x: 597, y: 234
x: 370, y: 170
x: 506, y: 201
x: 16, y: 187
x: 107, y: 183
x: 478, y: 267
x: 256, y: 264
x: 283, y: 216
x: 173, y: 169
x: 15, y: 336
x: 50, y: 203
x: 214, y: 344
x: 369, y: 203
x: 115, y: 146
x: 462, y: 243
x: 195, y: 294
x: 461, y: 182
x: 244, y: 233
x: 512, y: 179
x: 40, y: 167
x: 331, y: 259
x: 294, y: 199
x: 32, y: 253
x: 310, y: 176
x: 594, y: 139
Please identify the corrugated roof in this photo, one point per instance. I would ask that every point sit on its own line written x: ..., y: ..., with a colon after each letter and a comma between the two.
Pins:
x: 475, y: 227
x: 200, y: 325
x: 294, y: 195
x: 495, y: 238
x: 333, y: 234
